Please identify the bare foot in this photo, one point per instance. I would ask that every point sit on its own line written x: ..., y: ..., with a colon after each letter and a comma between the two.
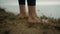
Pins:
x: 33, y: 20
x: 22, y: 16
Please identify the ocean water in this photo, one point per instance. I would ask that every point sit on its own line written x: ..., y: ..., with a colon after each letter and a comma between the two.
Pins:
x: 49, y: 11
x: 49, y: 8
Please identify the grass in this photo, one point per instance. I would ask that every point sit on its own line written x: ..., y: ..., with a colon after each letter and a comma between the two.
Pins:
x: 10, y: 24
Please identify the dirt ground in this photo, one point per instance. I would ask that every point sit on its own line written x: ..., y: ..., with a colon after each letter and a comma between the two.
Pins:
x: 10, y: 24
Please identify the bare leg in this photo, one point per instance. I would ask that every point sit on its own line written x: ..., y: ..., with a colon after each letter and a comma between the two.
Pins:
x: 22, y: 11
x: 32, y: 15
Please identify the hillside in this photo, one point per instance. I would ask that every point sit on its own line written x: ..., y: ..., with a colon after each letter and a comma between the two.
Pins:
x: 10, y: 24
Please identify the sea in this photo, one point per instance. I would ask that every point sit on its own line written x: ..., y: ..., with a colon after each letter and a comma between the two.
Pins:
x: 47, y: 10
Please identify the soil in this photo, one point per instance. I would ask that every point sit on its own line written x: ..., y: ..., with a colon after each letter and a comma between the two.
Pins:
x: 10, y: 24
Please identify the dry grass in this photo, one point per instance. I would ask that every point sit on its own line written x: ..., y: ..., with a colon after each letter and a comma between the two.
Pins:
x: 10, y: 24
